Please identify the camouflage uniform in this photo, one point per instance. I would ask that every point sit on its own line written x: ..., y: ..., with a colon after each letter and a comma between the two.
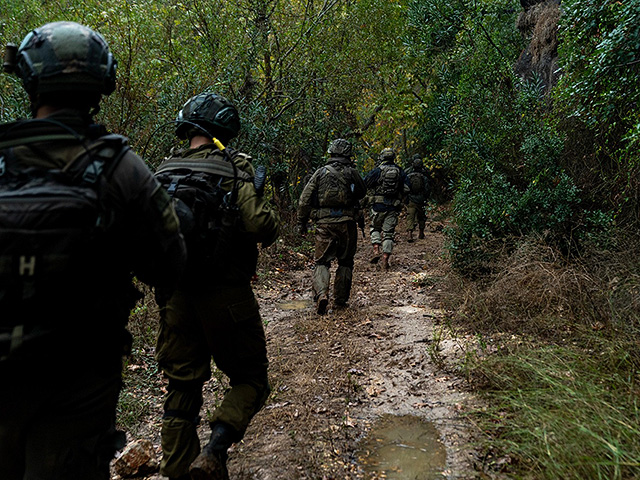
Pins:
x: 216, y: 317
x: 417, y: 201
x: 385, y: 208
x: 336, y: 232
x: 63, y: 322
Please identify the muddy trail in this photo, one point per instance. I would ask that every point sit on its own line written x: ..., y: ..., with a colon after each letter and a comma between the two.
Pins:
x: 358, y: 393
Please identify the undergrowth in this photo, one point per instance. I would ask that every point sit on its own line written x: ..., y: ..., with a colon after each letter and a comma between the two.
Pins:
x: 558, y: 363
x: 563, y: 412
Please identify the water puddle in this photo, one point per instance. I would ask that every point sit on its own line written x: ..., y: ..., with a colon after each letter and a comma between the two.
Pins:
x: 295, y: 305
x: 403, y: 448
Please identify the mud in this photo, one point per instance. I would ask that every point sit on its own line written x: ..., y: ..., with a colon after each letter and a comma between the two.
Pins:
x: 336, y: 377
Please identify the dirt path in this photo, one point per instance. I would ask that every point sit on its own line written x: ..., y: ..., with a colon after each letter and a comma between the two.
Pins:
x: 335, y: 376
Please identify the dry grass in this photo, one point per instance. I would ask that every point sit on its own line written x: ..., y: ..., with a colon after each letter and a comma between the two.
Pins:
x: 559, y: 335
x: 544, y: 42
x: 537, y: 291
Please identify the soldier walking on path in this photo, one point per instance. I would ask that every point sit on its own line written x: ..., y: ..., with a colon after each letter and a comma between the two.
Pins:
x: 80, y: 215
x: 334, y: 191
x: 214, y: 312
x: 389, y: 185
x: 417, y: 198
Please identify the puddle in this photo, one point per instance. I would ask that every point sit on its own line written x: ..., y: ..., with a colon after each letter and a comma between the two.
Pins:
x: 403, y: 448
x: 295, y: 305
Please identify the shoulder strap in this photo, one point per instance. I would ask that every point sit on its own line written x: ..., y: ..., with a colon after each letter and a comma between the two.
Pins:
x: 101, y: 156
x: 337, y: 174
x: 211, y: 165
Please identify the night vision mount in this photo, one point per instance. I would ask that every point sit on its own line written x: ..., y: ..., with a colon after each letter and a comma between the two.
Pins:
x: 10, y: 58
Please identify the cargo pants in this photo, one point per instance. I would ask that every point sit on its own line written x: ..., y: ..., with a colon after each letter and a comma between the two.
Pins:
x: 383, y: 228
x: 335, y: 241
x: 416, y: 216
x: 222, y: 323
x: 57, y: 419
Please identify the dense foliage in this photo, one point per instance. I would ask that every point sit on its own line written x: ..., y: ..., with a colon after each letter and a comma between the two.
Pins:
x: 525, y: 156
x: 422, y: 76
x: 298, y: 71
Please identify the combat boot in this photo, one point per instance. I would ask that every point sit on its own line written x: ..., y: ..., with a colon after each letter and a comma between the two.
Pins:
x: 421, y: 234
x: 376, y: 253
x: 323, y: 301
x: 410, y: 236
x: 385, y: 261
x: 211, y: 464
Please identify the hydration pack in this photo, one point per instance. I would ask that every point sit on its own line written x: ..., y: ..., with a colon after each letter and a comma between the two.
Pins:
x: 209, y: 215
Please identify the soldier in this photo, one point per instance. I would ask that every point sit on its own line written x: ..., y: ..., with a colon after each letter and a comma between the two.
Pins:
x: 389, y: 185
x: 214, y: 312
x: 417, y: 198
x: 334, y: 192
x: 80, y: 214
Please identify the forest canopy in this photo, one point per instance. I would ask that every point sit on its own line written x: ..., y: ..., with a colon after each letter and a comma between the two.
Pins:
x: 526, y: 117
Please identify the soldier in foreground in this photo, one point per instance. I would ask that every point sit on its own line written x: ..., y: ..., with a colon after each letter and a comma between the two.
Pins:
x: 80, y: 214
x: 388, y: 182
x: 334, y: 191
x: 214, y: 312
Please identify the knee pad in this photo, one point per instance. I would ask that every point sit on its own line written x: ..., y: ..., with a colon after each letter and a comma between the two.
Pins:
x: 184, y: 400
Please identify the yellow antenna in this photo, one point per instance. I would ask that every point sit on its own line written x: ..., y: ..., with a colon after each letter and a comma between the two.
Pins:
x: 218, y: 144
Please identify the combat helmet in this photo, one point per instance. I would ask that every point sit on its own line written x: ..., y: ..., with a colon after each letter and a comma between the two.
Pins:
x: 208, y: 114
x: 340, y: 148
x: 416, y: 163
x: 387, y: 155
x: 65, y: 57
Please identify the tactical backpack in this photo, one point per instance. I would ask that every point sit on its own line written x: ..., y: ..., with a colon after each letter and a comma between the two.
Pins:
x: 333, y: 189
x: 208, y: 213
x: 52, y: 223
x: 390, y: 180
x: 417, y: 183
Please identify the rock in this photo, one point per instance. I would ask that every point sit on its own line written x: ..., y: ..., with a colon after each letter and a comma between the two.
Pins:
x: 138, y: 458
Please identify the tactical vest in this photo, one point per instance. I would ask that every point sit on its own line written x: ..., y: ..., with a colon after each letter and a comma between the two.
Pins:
x: 417, y: 187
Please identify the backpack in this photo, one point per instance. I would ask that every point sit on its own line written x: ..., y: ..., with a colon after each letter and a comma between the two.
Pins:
x: 416, y: 183
x: 390, y: 180
x: 333, y: 189
x: 208, y: 213
x: 52, y: 226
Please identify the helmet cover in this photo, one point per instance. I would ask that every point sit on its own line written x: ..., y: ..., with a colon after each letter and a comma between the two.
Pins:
x: 210, y: 114
x: 387, y: 155
x: 65, y: 57
x: 340, y: 148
